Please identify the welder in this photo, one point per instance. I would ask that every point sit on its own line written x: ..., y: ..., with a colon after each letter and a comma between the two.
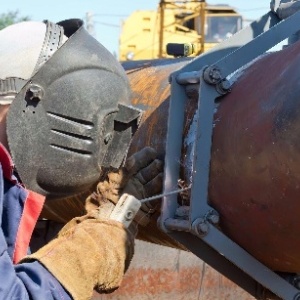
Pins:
x: 65, y: 119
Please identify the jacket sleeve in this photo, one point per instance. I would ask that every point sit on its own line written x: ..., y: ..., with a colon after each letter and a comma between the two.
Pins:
x: 27, y: 280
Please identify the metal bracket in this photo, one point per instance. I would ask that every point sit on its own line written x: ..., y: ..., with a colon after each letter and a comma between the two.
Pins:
x: 233, y: 261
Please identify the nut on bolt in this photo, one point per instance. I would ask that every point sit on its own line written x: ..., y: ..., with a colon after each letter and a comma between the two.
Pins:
x: 35, y: 92
x: 200, y: 227
x: 223, y: 87
x: 213, y: 217
x: 212, y: 75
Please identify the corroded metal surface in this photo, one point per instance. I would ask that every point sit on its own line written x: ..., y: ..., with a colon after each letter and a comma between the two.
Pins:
x: 255, y: 171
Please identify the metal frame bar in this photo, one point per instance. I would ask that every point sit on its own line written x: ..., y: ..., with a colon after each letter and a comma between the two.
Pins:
x: 213, y: 242
x: 178, y: 102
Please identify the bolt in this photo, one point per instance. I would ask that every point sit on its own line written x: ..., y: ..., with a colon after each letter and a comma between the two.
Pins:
x: 182, y: 212
x: 35, y: 92
x: 200, y: 227
x: 223, y: 87
x: 215, y: 74
x: 225, y: 84
x: 213, y: 217
x: 212, y: 75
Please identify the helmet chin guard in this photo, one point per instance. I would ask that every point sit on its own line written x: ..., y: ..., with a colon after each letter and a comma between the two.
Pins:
x: 72, y: 118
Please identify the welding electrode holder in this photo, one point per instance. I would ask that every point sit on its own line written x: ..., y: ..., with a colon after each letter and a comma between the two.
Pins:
x: 126, y: 210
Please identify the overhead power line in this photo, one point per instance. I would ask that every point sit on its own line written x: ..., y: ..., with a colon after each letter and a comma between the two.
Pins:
x: 255, y: 9
x: 107, y: 24
x: 110, y: 15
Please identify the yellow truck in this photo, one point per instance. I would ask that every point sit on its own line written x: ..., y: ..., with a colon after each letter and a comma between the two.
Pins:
x: 146, y: 33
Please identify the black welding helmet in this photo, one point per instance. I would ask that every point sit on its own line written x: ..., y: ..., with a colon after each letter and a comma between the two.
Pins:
x: 73, y: 117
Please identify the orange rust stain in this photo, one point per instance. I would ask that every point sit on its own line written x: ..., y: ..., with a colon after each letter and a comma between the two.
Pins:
x: 150, y: 87
x: 153, y: 282
x: 186, y: 283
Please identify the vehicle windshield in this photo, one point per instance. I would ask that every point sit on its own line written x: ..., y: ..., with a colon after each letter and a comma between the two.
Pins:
x: 221, y: 27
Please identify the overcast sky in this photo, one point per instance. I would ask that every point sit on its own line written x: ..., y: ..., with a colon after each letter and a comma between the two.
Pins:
x: 109, y: 14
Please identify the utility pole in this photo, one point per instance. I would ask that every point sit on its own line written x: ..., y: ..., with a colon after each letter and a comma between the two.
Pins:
x: 90, y: 24
x: 202, y: 14
x: 161, y: 27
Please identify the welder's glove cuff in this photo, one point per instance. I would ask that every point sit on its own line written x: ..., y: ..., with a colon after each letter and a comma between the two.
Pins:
x: 88, y: 254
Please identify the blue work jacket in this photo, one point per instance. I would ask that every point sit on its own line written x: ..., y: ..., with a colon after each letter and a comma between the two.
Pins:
x: 19, y: 211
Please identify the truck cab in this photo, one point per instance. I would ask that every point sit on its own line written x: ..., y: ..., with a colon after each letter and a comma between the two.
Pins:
x: 145, y: 34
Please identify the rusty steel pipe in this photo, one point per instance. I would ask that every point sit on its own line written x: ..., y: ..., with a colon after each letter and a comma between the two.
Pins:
x: 255, y: 166
x: 255, y: 169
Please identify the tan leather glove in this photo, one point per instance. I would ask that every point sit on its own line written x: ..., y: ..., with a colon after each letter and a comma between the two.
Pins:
x: 88, y: 254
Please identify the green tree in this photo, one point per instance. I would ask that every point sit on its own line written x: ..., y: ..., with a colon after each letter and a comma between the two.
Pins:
x: 10, y: 18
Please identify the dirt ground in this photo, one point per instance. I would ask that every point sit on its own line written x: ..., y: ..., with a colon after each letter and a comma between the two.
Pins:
x: 163, y: 273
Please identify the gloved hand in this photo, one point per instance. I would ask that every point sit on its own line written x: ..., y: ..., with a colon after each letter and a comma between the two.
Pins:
x: 88, y: 254
x: 141, y: 177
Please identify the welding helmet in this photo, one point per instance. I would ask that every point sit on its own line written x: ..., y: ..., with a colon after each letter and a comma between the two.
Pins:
x: 70, y: 116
